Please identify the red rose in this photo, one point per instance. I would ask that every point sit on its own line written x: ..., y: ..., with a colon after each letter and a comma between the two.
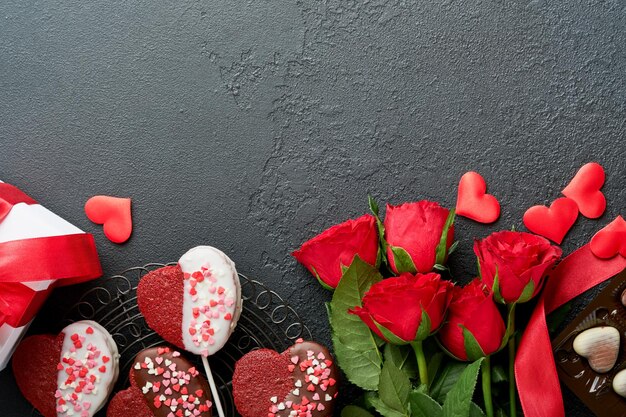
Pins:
x: 417, y: 228
x: 396, y: 305
x: 325, y: 254
x: 472, y: 308
x: 520, y: 262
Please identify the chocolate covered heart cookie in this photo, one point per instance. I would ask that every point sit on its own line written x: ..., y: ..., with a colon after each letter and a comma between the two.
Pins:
x: 300, y: 382
x: 162, y: 384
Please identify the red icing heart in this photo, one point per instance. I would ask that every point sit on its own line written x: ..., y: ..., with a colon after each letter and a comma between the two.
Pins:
x: 584, y: 189
x: 554, y: 222
x: 35, y: 369
x: 611, y: 240
x: 160, y: 299
x: 473, y: 202
x: 266, y: 383
x: 114, y: 214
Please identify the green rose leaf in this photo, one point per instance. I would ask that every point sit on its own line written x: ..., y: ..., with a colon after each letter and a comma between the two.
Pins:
x: 472, y: 347
x: 402, y: 260
x: 354, y: 411
x: 394, y: 388
x: 384, y: 409
x: 403, y: 357
x: 459, y: 399
x: 527, y: 293
x: 475, y: 411
x: 356, y: 348
x: 442, y: 247
x: 444, y: 380
x: 423, y: 331
x: 424, y: 406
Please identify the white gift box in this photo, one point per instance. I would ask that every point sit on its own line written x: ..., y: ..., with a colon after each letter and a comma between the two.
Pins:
x: 27, y: 221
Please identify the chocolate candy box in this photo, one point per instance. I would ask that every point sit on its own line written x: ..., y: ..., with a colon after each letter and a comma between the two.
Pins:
x: 597, y: 349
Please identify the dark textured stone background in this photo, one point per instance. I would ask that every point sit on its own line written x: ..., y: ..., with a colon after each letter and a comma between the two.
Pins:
x: 253, y: 125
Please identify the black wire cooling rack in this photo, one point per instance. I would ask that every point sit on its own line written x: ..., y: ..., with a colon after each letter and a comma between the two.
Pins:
x: 266, y: 321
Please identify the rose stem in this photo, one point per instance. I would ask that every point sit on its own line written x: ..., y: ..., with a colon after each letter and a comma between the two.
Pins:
x: 421, y: 363
x: 486, y: 377
x: 512, y: 396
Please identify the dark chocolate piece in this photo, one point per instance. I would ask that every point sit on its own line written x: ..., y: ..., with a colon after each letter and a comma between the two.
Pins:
x: 593, y: 388
x: 170, y: 384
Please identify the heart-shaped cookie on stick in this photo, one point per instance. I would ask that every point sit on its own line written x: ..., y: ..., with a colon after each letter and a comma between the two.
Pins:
x: 71, y: 374
x: 301, y: 381
x: 162, y: 384
x: 194, y: 305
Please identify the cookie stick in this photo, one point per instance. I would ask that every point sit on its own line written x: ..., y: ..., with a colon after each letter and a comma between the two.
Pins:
x: 211, y: 305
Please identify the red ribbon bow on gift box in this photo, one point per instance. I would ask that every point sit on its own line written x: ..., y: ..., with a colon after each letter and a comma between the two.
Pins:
x: 67, y: 259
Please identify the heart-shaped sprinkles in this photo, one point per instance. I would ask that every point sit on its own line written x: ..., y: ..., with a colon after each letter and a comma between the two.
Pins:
x: 600, y: 345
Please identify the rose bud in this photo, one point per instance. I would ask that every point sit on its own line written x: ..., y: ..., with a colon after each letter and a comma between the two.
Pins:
x: 514, y: 264
x: 326, y: 254
x: 418, y: 235
x: 474, y: 327
x: 406, y: 308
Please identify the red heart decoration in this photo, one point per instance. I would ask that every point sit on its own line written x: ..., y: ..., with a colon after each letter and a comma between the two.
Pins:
x: 266, y: 383
x: 473, y: 202
x: 165, y: 318
x: 162, y: 384
x: 40, y: 360
x: 611, y: 240
x: 554, y: 222
x: 114, y: 214
x: 584, y: 189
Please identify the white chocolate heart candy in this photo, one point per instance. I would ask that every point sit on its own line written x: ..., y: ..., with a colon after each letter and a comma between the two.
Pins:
x: 211, y: 301
x: 600, y: 345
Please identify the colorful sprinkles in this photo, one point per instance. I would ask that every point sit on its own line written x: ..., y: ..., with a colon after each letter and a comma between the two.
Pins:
x: 211, y: 304
x: 311, y: 391
x: 80, y: 368
x: 170, y: 389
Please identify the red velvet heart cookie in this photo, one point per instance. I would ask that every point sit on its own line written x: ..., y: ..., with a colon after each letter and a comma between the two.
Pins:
x: 162, y: 384
x: 302, y: 379
x: 71, y: 374
x: 196, y: 304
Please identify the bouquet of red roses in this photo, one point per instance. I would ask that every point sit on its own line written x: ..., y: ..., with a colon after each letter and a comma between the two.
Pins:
x: 413, y: 340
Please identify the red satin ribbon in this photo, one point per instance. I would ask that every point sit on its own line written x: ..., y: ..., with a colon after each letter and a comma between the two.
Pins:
x: 68, y: 259
x: 535, y: 370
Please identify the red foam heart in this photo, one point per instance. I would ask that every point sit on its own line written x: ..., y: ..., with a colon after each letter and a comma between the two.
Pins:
x: 473, y: 202
x: 152, y: 395
x: 160, y: 299
x: 554, y: 222
x: 35, y: 369
x: 265, y: 379
x: 611, y: 240
x: 584, y: 189
x: 114, y: 214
